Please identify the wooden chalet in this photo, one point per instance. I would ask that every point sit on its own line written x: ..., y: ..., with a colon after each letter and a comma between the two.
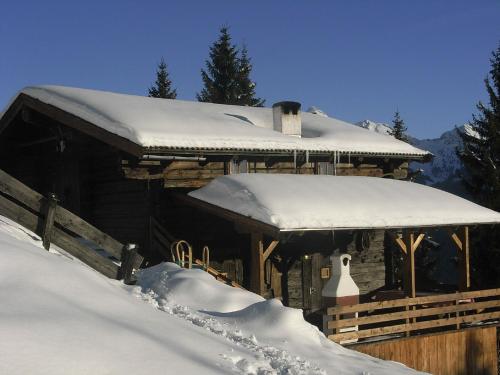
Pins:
x: 130, y: 167
x: 120, y: 162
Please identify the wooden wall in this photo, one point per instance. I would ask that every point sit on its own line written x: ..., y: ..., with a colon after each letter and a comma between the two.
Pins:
x: 468, y: 352
x: 194, y: 174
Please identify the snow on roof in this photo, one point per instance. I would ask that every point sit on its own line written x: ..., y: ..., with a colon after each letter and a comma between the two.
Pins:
x: 312, y: 202
x: 176, y: 124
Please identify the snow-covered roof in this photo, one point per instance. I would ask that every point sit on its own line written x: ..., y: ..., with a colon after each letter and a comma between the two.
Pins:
x: 312, y: 202
x: 177, y: 124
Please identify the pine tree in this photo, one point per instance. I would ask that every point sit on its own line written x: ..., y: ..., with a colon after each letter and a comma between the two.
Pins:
x: 163, y: 85
x: 221, y: 77
x: 226, y: 79
x: 399, y: 128
x: 247, y: 86
x: 480, y: 156
x: 481, y: 144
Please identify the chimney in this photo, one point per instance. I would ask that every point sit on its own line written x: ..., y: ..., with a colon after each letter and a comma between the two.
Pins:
x: 286, y: 118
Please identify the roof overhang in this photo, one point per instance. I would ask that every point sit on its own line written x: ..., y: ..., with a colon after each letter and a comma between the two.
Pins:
x: 239, y: 199
x: 23, y: 101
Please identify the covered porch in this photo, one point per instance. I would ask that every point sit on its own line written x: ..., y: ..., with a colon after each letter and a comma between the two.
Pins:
x: 273, y: 208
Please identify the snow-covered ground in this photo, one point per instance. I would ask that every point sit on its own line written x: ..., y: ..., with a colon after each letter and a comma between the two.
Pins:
x: 57, y: 316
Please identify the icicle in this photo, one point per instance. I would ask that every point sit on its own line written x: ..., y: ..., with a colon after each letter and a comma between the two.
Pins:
x: 307, y: 156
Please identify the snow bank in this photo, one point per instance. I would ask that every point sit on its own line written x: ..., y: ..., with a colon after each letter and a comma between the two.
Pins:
x: 58, y: 316
x: 281, y: 340
x: 312, y: 202
x: 152, y: 122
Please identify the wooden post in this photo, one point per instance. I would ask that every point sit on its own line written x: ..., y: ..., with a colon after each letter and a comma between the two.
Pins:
x: 130, y: 260
x: 408, y: 245
x: 461, y: 241
x: 50, y: 213
x: 257, y: 263
x: 409, y: 261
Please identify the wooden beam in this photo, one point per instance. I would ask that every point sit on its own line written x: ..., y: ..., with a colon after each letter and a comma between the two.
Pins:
x: 409, y: 264
x: 417, y: 242
x: 463, y: 261
x: 11, y: 113
x: 241, y: 221
x: 270, y: 249
x: 257, y: 282
x: 83, y: 126
x: 50, y: 213
x: 456, y: 240
x: 461, y: 240
x: 398, y: 241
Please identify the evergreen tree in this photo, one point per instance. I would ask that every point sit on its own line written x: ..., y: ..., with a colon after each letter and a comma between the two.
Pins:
x: 247, y: 86
x: 226, y: 79
x: 163, y: 85
x: 398, y: 128
x: 480, y: 156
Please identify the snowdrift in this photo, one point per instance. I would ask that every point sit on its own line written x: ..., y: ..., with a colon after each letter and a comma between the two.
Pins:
x: 58, y: 316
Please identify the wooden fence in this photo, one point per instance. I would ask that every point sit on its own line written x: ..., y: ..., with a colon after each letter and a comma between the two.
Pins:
x: 403, y: 317
x: 71, y: 233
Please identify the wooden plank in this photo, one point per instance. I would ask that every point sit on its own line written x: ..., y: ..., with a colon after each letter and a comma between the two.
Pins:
x: 412, y: 314
x: 257, y: 282
x: 417, y: 242
x: 270, y: 249
x: 413, y: 301
x: 16, y: 189
x: 463, y: 261
x: 59, y: 238
x: 409, y: 265
x: 83, y: 253
x: 398, y: 241
x: 399, y: 328
x: 218, y: 275
x: 86, y: 230
x: 20, y: 215
x: 463, y: 352
x: 50, y: 212
x: 35, y: 201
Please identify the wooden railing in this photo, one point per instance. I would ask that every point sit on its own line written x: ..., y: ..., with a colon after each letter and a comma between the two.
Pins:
x: 412, y: 315
x: 71, y: 233
x: 160, y: 240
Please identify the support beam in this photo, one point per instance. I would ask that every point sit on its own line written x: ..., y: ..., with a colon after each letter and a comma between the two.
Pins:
x: 270, y: 249
x: 398, y: 241
x: 408, y: 244
x: 257, y: 283
x: 409, y: 264
x: 461, y: 240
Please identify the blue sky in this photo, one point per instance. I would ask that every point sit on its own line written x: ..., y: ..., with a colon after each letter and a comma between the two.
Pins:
x: 354, y: 59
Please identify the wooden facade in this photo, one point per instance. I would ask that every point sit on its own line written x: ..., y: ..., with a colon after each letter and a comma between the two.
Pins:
x: 107, y: 181
x: 471, y: 351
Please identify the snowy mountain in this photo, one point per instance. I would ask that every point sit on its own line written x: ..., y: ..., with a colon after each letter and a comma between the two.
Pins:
x: 443, y: 171
x: 377, y: 127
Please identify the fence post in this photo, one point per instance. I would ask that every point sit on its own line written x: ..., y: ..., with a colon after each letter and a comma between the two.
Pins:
x: 130, y: 260
x: 50, y: 213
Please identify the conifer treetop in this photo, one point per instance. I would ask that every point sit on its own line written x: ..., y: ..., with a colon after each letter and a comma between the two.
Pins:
x: 399, y: 128
x: 162, y: 87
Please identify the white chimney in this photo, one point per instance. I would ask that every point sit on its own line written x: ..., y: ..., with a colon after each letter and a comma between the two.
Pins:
x: 286, y: 118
